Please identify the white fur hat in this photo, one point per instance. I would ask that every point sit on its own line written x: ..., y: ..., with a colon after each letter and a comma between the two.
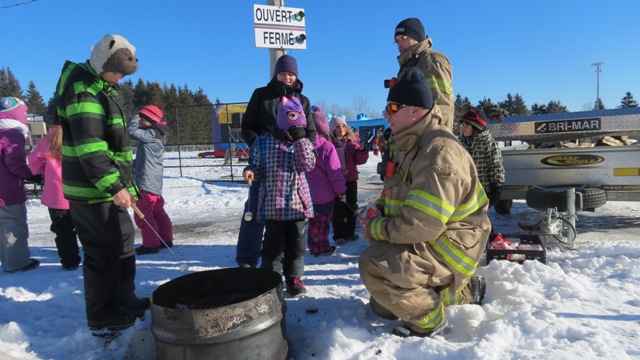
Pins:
x: 115, y: 54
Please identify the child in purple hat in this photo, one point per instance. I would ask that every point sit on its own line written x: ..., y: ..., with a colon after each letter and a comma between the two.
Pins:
x: 278, y: 160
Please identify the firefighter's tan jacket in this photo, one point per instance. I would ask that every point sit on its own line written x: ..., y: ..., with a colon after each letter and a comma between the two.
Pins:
x: 436, y: 68
x: 434, y: 206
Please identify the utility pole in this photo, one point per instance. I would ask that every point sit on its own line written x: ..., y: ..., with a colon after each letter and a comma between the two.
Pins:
x: 598, y: 71
x: 274, y: 54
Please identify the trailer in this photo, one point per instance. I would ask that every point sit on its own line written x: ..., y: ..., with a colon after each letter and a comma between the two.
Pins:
x: 541, y: 175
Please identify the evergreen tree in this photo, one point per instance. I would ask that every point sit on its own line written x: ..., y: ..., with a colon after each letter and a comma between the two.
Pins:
x: 140, y: 94
x: 538, y: 109
x: 598, y: 105
x: 34, y: 100
x: 461, y: 105
x: 509, y: 104
x: 9, y: 85
x: 126, y: 92
x: 170, y: 95
x: 51, y: 104
x: 155, y: 95
x: 555, y: 107
x: 201, y: 98
x: 628, y: 101
x: 486, y: 105
x: 519, y: 106
x: 514, y: 105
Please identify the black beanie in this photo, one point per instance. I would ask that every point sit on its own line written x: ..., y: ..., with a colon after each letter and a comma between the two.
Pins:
x: 286, y: 63
x: 411, y: 27
x: 411, y: 89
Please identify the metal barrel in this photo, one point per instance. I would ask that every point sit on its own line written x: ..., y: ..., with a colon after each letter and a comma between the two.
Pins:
x: 234, y: 313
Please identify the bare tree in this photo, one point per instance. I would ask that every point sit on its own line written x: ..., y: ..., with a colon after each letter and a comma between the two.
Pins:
x: 360, y: 105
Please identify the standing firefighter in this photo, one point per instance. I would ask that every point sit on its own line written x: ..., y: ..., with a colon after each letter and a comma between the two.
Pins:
x: 97, y: 180
x: 433, y: 227
x: 415, y: 51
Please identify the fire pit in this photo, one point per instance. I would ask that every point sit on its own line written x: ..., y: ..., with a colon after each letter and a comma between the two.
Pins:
x: 235, y: 313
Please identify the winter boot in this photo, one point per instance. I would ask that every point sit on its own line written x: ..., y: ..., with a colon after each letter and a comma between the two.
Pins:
x: 381, y: 310
x: 411, y: 330
x: 122, y: 319
x: 330, y: 251
x: 296, y: 287
x: 128, y: 298
x: 477, y: 286
x: 143, y: 250
x: 32, y: 265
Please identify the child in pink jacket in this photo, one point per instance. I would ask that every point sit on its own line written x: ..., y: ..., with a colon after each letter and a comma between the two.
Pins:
x: 46, y: 158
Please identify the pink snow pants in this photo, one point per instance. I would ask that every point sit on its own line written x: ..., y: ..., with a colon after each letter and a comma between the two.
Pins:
x: 152, y: 206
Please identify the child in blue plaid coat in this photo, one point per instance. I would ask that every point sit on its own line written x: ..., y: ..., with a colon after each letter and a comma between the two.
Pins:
x: 279, y: 160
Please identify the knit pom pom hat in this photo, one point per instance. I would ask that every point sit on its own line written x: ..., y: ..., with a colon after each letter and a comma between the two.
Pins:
x: 152, y: 114
x: 12, y: 108
x: 115, y: 54
x: 335, y: 120
x: 321, y: 121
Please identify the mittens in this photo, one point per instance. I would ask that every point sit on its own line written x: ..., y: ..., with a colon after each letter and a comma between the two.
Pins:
x: 297, y: 132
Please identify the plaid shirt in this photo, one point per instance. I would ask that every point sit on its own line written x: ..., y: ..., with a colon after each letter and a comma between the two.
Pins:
x: 487, y: 157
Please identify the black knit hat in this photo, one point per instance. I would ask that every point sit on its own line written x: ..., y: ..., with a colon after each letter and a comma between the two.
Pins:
x: 286, y: 63
x: 411, y: 27
x: 411, y: 89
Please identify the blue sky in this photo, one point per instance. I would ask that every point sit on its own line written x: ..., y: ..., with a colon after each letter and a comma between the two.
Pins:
x: 542, y: 49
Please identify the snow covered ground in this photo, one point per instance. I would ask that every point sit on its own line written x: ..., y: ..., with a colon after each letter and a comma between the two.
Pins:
x: 583, y: 303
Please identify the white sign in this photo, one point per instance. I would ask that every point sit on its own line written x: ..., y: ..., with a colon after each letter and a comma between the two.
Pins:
x: 279, y: 27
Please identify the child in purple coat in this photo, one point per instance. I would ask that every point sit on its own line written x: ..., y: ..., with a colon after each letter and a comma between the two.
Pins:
x: 327, y: 183
x: 279, y: 160
x: 14, y: 231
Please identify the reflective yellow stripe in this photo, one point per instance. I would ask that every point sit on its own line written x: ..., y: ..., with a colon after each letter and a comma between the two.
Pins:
x: 464, y: 210
x: 376, y: 229
x: 440, y: 85
x: 453, y: 256
x: 451, y: 296
x: 429, y: 204
x: 432, y: 319
x: 392, y: 207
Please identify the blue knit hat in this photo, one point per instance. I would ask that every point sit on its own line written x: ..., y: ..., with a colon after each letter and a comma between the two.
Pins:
x: 287, y: 63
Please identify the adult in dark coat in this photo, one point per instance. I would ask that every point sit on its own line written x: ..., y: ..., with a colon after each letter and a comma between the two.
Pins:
x: 259, y: 118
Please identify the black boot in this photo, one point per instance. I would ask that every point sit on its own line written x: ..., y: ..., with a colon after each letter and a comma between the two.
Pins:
x: 477, y: 286
x: 122, y: 319
x: 129, y: 300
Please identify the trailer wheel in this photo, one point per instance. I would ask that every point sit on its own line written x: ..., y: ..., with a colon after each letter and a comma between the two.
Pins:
x: 503, y: 206
x: 541, y: 199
